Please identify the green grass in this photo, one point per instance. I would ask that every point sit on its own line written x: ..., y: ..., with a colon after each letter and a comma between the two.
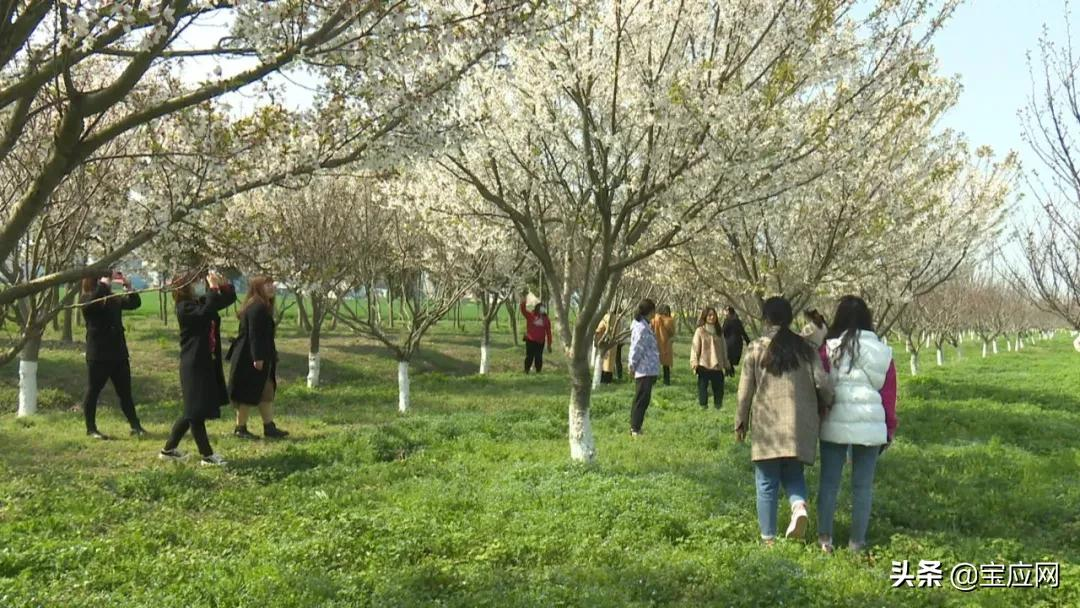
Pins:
x: 470, y: 500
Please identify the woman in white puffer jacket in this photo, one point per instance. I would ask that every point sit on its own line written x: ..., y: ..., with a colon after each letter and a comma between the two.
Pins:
x: 862, y: 418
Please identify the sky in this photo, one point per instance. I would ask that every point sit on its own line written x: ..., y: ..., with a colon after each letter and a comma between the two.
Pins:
x: 987, y: 44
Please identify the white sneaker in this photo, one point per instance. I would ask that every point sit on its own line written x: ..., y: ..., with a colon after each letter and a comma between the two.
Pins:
x: 214, y: 460
x: 174, y: 455
x: 799, y: 519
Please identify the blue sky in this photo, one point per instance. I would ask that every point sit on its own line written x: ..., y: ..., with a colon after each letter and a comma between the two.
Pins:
x: 986, y: 43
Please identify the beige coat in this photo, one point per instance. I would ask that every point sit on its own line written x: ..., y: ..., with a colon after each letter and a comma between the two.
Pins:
x: 709, y: 351
x: 664, y: 328
x: 781, y: 411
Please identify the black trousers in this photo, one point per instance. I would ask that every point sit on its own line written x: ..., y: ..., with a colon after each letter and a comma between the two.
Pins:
x: 618, y: 362
x: 606, y: 378
x: 198, y: 433
x: 706, y: 378
x: 642, y: 398
x: 667, y: 375
x: 98, y: 374
x: 534, y: 355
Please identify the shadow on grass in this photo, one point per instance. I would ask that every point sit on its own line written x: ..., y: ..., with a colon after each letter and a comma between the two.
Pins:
x: 934, y: 389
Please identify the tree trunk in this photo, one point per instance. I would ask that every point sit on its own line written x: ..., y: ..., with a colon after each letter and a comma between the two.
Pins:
x: 28, y: 366
x: 598, y: 367
x: 914, y: 364
x: 302, y: 314
x: 513, y: 320
x: 314, y: 357
x: 390, y: 301
x: 985, y: 349
x: 485, y: 345
x: 1008, y: 344
x: 67, y: 336
x: 403, y: 386
x: 995, y: 351
x: 940, y: 355
x: 582, y: 443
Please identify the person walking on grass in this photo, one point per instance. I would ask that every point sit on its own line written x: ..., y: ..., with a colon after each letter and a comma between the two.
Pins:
x: 253, y: 358
x: 107, y: 355
x: 734, y: 335
x: 663, y: 327
x: 644, y: 363
x: 862, y: 419
x: 782, y: 391
x: 537, y: 334
x: 198, y: 299
x: 815, y: 329
x: 709, y: 359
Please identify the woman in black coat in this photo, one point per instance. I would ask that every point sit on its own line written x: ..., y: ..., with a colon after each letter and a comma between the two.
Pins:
x: 253, y: 358
x: 734, y: 336
x: 106, y: 349
x: 202, y: 380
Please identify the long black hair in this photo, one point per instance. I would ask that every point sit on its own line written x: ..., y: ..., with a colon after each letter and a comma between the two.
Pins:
x: 852, y: 316
x: 702, y: 320
x: 645, y: 308
x: 787, y: 350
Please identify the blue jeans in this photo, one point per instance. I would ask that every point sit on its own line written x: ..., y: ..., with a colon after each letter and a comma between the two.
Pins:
x: 863, y: 462
x: 770, y: 475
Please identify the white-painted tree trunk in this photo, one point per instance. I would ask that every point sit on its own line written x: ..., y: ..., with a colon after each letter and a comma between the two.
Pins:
x: 986, y: 348
x: 1008, y: 344
x: 597, y: 368
x: 314, y: 361
x: 485, y: 361
x: 940, y: 356
x: 28, y: 388
x: 914, y: 364
x: 403, y: 386
x: 582, y: 442
x: 1019, y: 344
x: 995, y: 351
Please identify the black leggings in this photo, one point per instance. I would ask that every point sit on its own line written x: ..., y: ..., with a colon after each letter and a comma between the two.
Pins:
x: 198, y: 433
x: 642, y: 398
x: 98, y: 374
x: 534, y: 355
x: 715, y: 378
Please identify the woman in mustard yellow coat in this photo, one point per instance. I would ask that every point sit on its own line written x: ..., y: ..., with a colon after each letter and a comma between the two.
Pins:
x: 663, y: 325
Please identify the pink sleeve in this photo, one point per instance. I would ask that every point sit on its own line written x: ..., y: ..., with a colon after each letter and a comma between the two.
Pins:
x: 824, y: 354
x: 888, y: 399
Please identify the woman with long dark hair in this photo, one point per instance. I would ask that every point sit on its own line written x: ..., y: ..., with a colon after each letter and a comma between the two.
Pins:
x: 735, y: 335
x: 107, y: 355
x: 709, y: 358
x: 782, y: 392
x: 644, y: 363
x: 862, y: 419
x: 198, y: 299
x: 253, y: 358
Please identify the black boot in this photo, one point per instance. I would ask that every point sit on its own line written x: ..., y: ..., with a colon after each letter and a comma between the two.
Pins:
x: 270, y: 431
x: 243, y: 433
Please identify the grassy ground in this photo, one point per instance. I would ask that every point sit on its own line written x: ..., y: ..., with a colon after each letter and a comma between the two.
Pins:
x: 471, y: 501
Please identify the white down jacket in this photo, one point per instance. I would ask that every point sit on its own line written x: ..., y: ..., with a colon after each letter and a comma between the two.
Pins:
x: 857, y: 415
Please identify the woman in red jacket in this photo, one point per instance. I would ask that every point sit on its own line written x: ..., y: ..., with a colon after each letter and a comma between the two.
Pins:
x: 537, y: 333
